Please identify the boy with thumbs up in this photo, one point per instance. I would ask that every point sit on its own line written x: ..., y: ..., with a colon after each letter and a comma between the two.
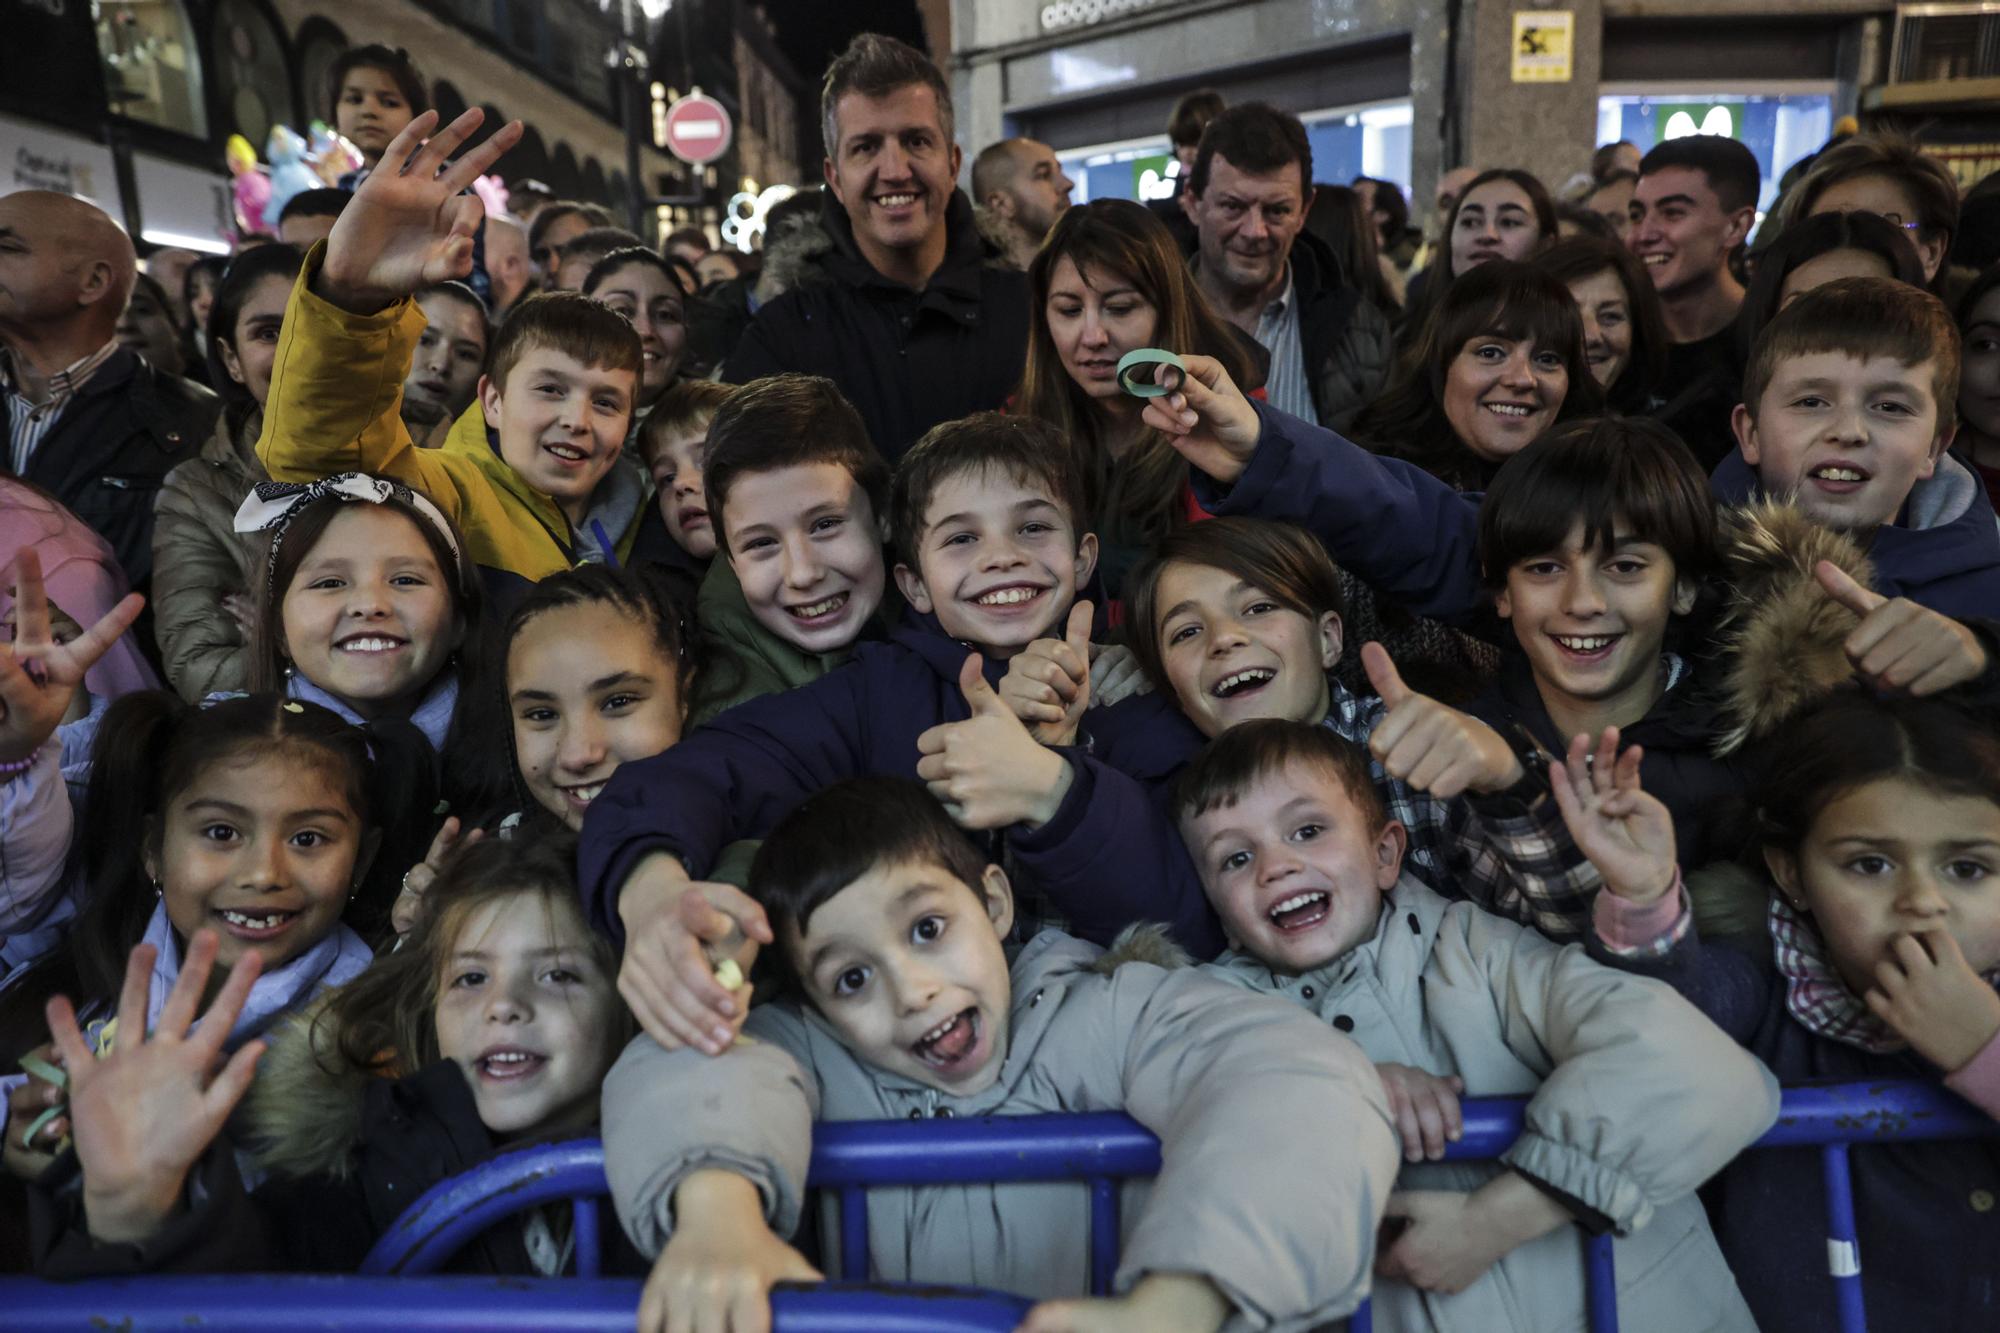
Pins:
x: 983, y: 521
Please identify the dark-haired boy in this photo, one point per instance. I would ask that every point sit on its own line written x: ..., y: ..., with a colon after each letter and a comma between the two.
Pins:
x: 984, y: 519
x: 1849, y: 406
x: 1693, y: 206
x: 889, y: 932
x: 797, y: 501
x: 533, y: 473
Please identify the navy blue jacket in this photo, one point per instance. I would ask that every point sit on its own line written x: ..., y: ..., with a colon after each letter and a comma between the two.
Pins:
x: 739, y: 775
x: 1928, y: 1229
x: 1943, y: 552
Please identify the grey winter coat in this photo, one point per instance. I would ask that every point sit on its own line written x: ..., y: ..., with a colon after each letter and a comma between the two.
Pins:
x: 1635, y: 1099
x: 1277, y: 1148
x: 199, y: 558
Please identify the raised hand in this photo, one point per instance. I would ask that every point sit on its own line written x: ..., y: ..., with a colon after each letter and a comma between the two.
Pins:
x: 987, y: 770
x: 1433, y: 747
x: 1115, y: 675
x: 1048, y: 684
x: 1425, y: 1109
x: 1208, y: 419
x: 28, y: 1154
x: 717, y: 1270
x: 1930, y: 995
x: 419, y: 878
x: 1619, y: 826
x: 146, y: 1111
x: 671, y: 922
x: 411, y: 223
x: 38, y: 676
x: 1900, y: 647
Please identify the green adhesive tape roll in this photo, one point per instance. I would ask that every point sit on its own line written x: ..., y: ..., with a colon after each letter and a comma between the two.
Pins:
x: 1165, y: 380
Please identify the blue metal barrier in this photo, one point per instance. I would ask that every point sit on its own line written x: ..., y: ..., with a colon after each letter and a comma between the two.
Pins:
x: 849, y: 1159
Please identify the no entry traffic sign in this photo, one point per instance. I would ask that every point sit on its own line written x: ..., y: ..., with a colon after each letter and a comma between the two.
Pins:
x: 697, y: 129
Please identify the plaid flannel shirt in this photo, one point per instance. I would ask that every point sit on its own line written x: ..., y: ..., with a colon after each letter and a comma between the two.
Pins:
x: 1513, y: 861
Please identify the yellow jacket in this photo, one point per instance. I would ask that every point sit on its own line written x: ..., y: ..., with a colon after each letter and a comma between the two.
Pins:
x: 335, y: 406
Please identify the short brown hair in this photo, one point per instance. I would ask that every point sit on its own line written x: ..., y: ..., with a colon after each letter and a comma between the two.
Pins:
x: 1862, y: 317
x: 1284, y: 561
x: 685, y: 405
x: 1251, y: 751
x: 1257, y: 139
x: 1902, y: 160
x: 784, y: 421
x: 1023, y: 448
x: 875, y: 66
x: 568, y: 322
x: 1191, y: 116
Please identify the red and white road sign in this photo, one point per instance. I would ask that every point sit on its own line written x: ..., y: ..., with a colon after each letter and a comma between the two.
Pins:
x: 698, y: 129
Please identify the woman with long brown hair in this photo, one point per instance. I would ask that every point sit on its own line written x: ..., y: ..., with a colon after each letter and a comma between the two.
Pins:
x: 1109, y: 279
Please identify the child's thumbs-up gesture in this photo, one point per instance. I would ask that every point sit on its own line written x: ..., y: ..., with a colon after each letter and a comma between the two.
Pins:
x: 1623, y: 829
x: 1047, y: 685
x: 1434, y: 748
x: 410, y: 224
x: 1900, y: 646
x: 1208, y: 419
x: 989, y: 772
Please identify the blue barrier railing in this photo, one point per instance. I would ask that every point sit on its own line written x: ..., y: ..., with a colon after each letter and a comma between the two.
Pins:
x: 849, y: 1159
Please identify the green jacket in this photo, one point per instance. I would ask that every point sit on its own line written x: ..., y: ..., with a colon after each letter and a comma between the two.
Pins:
x: 745, y: 660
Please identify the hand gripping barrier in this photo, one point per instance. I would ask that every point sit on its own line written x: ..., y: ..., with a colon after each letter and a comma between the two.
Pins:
x: 1096, y: 1150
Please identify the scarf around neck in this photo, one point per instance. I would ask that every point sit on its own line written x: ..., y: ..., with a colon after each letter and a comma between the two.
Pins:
x: 1815, y: 994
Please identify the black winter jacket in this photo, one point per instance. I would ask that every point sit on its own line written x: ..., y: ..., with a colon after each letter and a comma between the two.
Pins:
x: 906, y: 359
x: 108, y: 452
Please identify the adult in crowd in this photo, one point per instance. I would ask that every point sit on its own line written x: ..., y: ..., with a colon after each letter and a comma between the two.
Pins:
x: 1612, y: 158
x: 640, y: 285
x: 88, y: 421
x: 689, y: 243
x: 198, y: 287
x: 581, y: 252
x: 1247, y: 196
x: 715, y: 268
x: 1502, y: 213
x: 1693, y: 206
x: 168, y: 267
x: 1611, y: 199
x: 1395, y: 239
x: 1624, y: 338
x: 1978, y: 439
x: 207, y: 574
x: 527, y: 197
x: 1893, y: 178
x: 450, y: 357
x: 1019, y: 190
x: 1816, y: 250
x: 1499, y: 361
x: 1185, y: 126
x: 1110, y: 280
x: 908, y: 311
x: 309, y: 215
x: 555, y: 225
x: 794, y: 240
x: 1338, y: 215
x: 147, y: 327
x: 507, y: 263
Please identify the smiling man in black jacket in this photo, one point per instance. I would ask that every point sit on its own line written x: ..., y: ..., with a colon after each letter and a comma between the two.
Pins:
x: 910, y: 313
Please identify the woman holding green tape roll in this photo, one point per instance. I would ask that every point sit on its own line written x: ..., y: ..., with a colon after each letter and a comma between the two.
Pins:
x: 1108, y: 281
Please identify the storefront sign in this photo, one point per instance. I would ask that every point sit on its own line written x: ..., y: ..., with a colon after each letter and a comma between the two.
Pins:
x: 1969, y: 163
x: 1543, y: 42
x: 182, y: 205
x: 35, y: 157
x: 1677, y: 120
x: 1063, y: 14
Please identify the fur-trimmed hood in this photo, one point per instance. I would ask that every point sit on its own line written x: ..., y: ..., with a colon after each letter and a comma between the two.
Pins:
x: 1781, y: 634
x: 305, y: 1119
x: 1142, y: 942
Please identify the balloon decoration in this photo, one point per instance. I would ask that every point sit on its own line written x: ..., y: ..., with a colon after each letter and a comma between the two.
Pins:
x: 318, y: 160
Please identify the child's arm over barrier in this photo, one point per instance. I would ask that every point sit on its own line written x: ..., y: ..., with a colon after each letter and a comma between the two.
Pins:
x: 351, y: 327
x: 1405, y: 533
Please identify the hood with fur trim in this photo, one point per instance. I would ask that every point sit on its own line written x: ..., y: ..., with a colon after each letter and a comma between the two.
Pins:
x: 1781, y: 635
x: 305, y: 1114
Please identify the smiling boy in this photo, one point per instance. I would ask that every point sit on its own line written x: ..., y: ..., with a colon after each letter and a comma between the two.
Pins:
x: 1849, y: 405
x: 982, y: 513
x: 902, y: 1004
x: 533, y: 471
x: 1633, y: 1097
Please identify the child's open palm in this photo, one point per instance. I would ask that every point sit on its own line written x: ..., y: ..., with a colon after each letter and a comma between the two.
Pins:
x: 411, y: 224
x: 38, y: 676
x: 145, y: 1112
x: 1930, y: 995
x: 1624, y: 830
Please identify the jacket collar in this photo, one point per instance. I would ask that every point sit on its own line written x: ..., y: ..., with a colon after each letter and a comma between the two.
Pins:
x: 432, y: 715
x: 952, y: 290
x: 615, y: 503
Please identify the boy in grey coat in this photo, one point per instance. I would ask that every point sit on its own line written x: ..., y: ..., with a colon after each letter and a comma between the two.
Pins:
x: 1634, y: 1098
x: 1277, y: 1150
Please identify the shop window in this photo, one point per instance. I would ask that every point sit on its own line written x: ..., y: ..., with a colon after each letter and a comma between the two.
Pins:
x: 247, y: 61
x: 152, y: 70
x: 1778, y: 128
x: 319, y: 45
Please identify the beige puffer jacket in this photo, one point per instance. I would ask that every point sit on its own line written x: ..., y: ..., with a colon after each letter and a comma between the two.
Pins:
x: 199, y: 558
